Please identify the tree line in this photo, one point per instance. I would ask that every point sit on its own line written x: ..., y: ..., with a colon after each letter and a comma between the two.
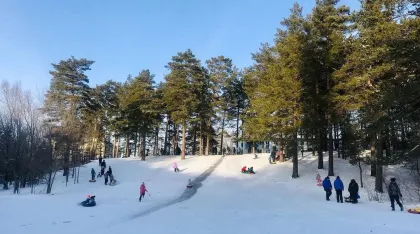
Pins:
x: 335, y: 80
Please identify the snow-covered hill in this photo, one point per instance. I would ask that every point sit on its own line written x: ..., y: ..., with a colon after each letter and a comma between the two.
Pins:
x: 227, y: 202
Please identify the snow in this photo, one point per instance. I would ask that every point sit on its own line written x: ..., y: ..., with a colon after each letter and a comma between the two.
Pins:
x: 228, y: 201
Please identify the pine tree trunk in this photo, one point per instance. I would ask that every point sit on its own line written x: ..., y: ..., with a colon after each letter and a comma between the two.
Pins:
x: 319, y: 148
x: 379, y: 160
x: 223, y: 129
x: 165, y: 146
x: 237, y: 130
x: 183, y: 142
x: 294, y: 152
x: 195, y: 140
x: 157, y: 142
x: 208, y: 138
x: 113, y: 146
x: 117, y: 150
x: 200, y: 152
x: 175, y: 139
x: 135, y: 143
x: 281, y: 149
x: 373, y: 153
x: 127, y: 144
x: 330, y: 149
x: 361, y: 173
x: 143, y: 146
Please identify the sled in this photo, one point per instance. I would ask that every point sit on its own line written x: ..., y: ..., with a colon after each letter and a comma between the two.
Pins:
x: 414, y: 211
x: 113, y: 183
x: 92, y: 180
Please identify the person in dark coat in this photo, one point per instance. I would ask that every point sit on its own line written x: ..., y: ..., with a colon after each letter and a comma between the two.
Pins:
x: 110, y: 170
x: 100, y: 161
x: 353, y: 190
x: 327, y: 187
x: 102, y: 171
x: 93, y: 173
x: 394, y: 194
x: 103, y: 164
x: 339, y: 187
x: 106, y: 178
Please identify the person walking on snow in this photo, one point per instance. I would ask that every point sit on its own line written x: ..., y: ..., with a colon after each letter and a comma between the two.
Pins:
x: 327, y: 187
x: 109, y: 170
x: 143, y: 190
x: 93, y: 173
x: 339, y: 187
x: 394, y: 194
x: 353, y: 190
x: 175, y: 166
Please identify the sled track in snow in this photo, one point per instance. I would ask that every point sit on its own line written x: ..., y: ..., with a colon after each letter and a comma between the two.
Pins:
x: 187, y: 194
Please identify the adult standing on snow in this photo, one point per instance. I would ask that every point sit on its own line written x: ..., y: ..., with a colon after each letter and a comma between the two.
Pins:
x: 103, y: 164
x: 100, y: 161
x: 394, y: 194
x: 339, y: 187
x: 106, y: 178
x: 93, y: 173
x: 109, y: 171
x: 353, y: 190
x: 143, y: 190
x: 327, y: 187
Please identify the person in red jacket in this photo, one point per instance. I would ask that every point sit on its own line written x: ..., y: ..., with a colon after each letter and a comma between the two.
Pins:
x: 143, y: 190
x: 244, y: 169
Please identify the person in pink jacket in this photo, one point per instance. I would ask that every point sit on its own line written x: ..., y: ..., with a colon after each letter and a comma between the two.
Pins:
x: 143, y: 190
x: 175, y: 166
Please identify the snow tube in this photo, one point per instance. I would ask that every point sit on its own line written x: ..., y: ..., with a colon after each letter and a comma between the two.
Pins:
x: 88, y: 204
x: 414, y: 211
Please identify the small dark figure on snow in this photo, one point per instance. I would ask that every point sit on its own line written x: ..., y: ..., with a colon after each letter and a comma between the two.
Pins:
x: 143, y: 191
x: 109, y: 170
x: 189, y: 185
x: 251, y: 170
x: 327, y: 187
x: 353, y: 190
x: 103, y: 164
x: 175, y: 166
x: 339, y: 187
x: 100, y: 161
x: 102, y: 171
x: 106, y: 178
x: 394, y: 194
x: 93, y: 173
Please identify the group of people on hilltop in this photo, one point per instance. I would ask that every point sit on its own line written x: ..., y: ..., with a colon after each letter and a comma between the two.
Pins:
x: 339, y: 188
x: 394, y: 191
x: 108, y: 176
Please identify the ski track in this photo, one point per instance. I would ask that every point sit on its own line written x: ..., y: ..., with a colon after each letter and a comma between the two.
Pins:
x: 186, y: 195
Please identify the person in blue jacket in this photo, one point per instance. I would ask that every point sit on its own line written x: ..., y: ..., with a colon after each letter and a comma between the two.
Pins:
x: 327, y: 187
x: 339, y: 187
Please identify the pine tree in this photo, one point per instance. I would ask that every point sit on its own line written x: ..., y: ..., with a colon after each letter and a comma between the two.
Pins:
x: 180, y: 90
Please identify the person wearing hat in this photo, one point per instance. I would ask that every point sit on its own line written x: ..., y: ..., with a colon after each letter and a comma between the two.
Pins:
x: 327, y: 187
x: 353, y: 190
x: 339, y: 187
x: 394, y: 194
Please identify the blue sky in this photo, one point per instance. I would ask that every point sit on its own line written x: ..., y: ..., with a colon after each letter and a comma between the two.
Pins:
x: 126, y: 36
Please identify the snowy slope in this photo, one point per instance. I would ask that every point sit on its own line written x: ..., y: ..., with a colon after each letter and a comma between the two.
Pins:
x: 228, y: 202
